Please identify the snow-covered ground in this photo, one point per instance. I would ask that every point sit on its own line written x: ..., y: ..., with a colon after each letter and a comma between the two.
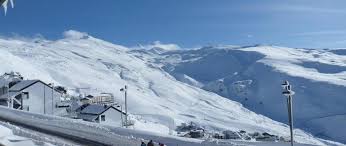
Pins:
x: 107, y: 135
x: 79, y: 60
x: 252, y: 75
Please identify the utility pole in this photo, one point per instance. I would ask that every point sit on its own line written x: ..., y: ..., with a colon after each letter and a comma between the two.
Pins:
x: 287, y: 91
x: 44, y: 99
x: 125, y: 94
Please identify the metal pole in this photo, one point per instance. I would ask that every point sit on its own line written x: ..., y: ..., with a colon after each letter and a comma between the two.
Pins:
x: 291, y: 118
x: 126, y: 122
x: 44, y: 99
x: 289, y: 93
x: 52, y: 98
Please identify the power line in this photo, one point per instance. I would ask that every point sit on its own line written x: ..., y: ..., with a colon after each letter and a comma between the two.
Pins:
x: 321, y: 117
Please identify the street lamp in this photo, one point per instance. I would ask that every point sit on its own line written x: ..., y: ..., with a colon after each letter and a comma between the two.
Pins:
x: 287, y: 91
x: 125, y: 94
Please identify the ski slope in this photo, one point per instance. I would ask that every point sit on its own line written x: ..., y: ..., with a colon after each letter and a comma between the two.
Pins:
x: 252, y: 75
x: 80, y: 60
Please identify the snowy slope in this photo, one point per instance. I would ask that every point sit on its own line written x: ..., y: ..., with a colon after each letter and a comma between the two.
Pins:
x: 80, y: 60
x: 252, y: 75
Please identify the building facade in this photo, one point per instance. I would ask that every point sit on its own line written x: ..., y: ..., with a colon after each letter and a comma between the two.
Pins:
x: 107, y: 115
x: 33, y: 96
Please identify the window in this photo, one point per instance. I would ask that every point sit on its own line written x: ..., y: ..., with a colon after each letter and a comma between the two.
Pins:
x: 103, y: 117
x: 26, y: 94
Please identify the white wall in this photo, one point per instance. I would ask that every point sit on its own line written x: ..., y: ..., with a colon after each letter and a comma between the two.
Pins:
x: 113, y: 118
x: 40, y: 99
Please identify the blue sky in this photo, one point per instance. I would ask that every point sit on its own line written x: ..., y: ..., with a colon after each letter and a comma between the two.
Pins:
x: 188, y: 23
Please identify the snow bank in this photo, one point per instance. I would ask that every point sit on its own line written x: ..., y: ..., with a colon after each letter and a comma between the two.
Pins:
x: 8, y: 139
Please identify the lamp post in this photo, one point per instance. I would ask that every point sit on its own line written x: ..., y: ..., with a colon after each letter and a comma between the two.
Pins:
x: 287, y: 91
x: 44, y: 99
x: 125, y: 94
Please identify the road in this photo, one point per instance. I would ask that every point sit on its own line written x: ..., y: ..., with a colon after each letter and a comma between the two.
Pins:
x: 82, y: 133
x: 79, y: 132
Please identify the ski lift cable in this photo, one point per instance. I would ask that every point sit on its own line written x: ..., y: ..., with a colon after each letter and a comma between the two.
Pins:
x: 321, y: 117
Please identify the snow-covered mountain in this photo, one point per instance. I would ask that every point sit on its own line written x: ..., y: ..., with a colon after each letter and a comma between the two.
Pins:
x: 80, y: 60
x: 252, y: 76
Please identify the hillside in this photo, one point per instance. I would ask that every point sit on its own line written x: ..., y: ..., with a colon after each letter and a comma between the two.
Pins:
x: 252, y: 75
x: 79, y: 60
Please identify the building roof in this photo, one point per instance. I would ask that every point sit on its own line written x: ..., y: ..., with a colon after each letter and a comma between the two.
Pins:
x: 27, y: 83
x: 92, y: 111
x: 85, y: 98
x: 17, y: 88
x: 90, y: 96
x: 87, y: 117
x: 24, y: 84
x: 95, y: 109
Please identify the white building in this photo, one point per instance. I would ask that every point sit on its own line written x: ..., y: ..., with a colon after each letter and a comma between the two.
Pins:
x: 102, y: 99
x: 34, y: 96
x: 107, y: 115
